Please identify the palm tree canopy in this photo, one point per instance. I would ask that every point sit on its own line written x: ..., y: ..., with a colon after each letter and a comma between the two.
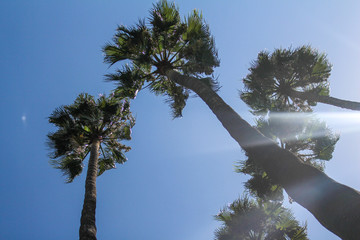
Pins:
x: 307, y: 137
x: 79, y: 124
x: 259, y: 220
x: 163, y: 43
x: 302, y: 134
x: 273, y: 77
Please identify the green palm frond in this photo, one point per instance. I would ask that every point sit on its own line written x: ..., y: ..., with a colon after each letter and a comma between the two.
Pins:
x: 129, y: 43
x: 65, y: 140
x: 200, y: 52
x: 259, y: 184
x: 112, y: 153
x: 263, y: 187
x: 71, y: 165
x: 60, y: 117
x: 164, y: 18
x: 129, y: 80
x: 105, y: 164
x: 177, y: 95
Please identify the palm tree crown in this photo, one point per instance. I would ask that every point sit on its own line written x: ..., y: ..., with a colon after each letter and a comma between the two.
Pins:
x: 307, y: 137
x: 79, y: 124
x: 298, y: 78
x: 164, y: 43
x: 258, y: 220
x: 273, y: 79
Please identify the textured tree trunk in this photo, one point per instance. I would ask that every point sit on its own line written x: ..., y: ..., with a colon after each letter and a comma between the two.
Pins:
x: 87, y: 227
x: 335, y: 206
x: 309, y: 96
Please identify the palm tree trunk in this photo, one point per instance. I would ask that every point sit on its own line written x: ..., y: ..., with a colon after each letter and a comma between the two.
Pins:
x: 335, y: 206
x: 310, y: 96
x: 88, y: 228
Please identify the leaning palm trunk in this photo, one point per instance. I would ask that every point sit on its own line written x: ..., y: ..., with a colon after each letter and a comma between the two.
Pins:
x: 88, y: 228
x: 309, y: 96
x: 335, y: 206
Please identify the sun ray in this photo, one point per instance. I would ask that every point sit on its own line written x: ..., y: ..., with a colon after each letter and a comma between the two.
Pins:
x: 341, y: 122
x: 337, y: 122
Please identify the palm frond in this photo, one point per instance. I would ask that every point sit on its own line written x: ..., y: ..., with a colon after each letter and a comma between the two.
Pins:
x: 200, y: 52
x: 164, y: 17
x: 60, y: 117
x: 71, y: 166
x: 129, y: 43
x: 129, y: 80
x: 177, y: 95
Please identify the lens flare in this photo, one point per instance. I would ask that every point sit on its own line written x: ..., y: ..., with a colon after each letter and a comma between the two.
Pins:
x: 341, y: 122
x: 301, y: 126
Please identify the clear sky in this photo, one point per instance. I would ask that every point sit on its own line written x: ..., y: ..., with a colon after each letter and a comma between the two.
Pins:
x: 180, y: 172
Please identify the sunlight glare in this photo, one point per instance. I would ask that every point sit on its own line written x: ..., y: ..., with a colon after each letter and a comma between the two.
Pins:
x: 342, y: 122
x: 291, y: 126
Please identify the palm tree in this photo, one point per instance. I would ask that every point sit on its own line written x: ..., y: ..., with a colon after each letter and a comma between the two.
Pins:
x: 249, y: 219
x: 95, y: 127
x: 298, y: 76
x: 174, y: 57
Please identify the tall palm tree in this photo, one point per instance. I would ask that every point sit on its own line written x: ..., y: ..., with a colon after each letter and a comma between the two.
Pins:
x: 298, y: 76
x: 174, y: 57
x: 248, y: 219
x: 95, y: 127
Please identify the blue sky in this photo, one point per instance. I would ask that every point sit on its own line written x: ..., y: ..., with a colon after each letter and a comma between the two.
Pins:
x: 180, y: 172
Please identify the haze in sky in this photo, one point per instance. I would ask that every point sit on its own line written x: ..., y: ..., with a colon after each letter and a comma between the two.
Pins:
x: 180, y: 172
